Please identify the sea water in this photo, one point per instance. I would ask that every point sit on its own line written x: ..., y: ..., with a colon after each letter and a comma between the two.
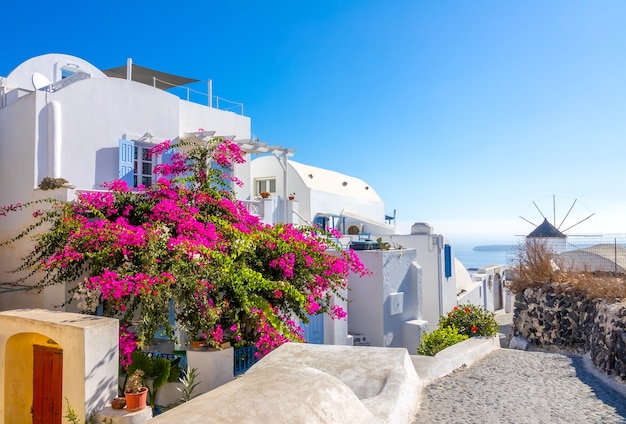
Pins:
x: 478, y: 255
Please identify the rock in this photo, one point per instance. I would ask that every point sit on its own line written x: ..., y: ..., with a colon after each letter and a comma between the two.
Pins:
x: 118, y: 403
x: 519, y: 343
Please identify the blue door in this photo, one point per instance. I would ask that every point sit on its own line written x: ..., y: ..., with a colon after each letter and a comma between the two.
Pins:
x: 127, y: 162
x: 314, y: 330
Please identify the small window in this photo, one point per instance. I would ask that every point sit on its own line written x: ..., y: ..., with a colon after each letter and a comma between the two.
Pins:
x: 143, y: 166
x: 69, y: 70
x: 264, y: 184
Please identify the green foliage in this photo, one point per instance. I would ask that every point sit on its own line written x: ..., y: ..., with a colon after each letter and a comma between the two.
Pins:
x: 187, y: 247
x: 463, y: 322
x: 439, y: 339
x: 189, y: 384
x: 471, y: 320
x: 157, y: 370
x: 70, y: 413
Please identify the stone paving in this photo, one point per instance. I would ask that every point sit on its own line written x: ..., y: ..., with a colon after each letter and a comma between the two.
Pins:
x: 514, y: 386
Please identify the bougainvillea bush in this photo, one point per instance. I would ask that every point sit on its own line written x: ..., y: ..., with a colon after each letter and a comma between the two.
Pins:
x: 187, y: 245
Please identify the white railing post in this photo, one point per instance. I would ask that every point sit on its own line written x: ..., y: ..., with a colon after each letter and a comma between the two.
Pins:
x: 210, y: 83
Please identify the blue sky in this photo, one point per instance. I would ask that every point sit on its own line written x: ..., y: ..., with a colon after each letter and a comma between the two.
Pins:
x: 459, y: 113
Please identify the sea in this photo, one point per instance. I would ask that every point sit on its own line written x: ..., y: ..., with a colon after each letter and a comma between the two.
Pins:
x: 478, y: 255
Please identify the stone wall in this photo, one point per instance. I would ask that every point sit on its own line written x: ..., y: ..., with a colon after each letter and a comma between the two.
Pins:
x: 558, y: 317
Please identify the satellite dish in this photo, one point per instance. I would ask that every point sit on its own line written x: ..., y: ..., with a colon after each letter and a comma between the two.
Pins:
x: 40, y: 81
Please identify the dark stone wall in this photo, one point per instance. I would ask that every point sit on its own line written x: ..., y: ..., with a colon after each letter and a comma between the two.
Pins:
x: 555, y: 316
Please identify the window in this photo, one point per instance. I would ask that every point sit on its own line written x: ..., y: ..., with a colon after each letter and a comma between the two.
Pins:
x: 142, y: 169
x: 135, y: 164
x: 69, y: 70
x: 264, y: 184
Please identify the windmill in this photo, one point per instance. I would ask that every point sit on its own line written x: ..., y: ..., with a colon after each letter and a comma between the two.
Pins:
x: 553, y: 234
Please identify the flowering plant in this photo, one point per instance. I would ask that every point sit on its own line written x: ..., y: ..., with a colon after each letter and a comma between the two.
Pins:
x: 134, y: 383
x: 185, y: 245
x: 470, y: 320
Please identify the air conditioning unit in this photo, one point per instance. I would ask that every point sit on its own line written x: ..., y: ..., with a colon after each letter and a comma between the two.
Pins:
x: 359, y: 340
x: 355, y: 229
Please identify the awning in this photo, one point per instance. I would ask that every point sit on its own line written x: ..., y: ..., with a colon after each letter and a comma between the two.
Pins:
x: 353, y: 217
x: 147, y: 75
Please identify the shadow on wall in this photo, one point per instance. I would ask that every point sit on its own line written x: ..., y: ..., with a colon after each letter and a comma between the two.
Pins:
x: 106, y: 166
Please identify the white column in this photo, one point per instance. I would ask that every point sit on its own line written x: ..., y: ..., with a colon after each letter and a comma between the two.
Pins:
x: 54, y: 139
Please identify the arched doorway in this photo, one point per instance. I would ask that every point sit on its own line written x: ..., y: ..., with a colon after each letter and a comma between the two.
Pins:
x: 33, y: 379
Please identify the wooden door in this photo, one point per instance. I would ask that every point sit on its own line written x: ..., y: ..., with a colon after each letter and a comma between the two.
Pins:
x: 47, y: 385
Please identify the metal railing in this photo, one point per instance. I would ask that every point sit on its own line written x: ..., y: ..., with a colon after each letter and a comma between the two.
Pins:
x: 254, y: 207
x: 78, y: 76
x: 606, y: 253
x: 186, y: 92
x: 245, y: 357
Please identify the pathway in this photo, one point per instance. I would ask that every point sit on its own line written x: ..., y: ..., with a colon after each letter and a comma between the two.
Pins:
x: 514, y: 386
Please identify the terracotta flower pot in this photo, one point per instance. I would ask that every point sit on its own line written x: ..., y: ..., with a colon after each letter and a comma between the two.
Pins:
x: 136, y: 401
x: 197, y: 344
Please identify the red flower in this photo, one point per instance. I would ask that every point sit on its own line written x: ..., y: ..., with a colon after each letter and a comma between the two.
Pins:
x: 468, y: 310
x: 456, y: 308
x: 474, y: 329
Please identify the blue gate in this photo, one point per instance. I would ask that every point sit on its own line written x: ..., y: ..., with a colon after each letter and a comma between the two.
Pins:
x: 314, y: 330
x: 245, y: 357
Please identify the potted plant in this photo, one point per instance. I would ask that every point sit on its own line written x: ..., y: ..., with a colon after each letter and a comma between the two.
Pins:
x: 135, y: 392
x: 197, y: 342
x: 156, y: 371
x: 292, y: 196
x: 265, y: 194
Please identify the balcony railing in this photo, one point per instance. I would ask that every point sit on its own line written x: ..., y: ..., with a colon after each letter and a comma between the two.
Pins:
x: 191, y: 94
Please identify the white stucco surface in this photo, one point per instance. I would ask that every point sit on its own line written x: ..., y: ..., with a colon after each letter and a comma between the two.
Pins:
x: 90, y: 356
x: 302, y: 383
x: 321, y: 190
x: 439, y: 292
x: 74, y: 133
x: 381, y: 303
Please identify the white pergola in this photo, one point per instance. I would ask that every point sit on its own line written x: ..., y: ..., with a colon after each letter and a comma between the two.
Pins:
x: 249, y: 146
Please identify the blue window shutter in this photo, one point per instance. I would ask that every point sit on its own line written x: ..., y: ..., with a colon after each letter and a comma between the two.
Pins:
x: 448, y: 260
x: 127, y: 161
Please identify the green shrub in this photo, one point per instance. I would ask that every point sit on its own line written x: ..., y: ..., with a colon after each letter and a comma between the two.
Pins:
x: 471, y: 320
x: 438, y: 340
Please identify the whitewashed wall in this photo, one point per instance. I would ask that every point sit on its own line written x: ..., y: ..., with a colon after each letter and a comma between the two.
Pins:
x: 86, y: 119
x: 381, y: 303
x: 324, y: 193
x: 439, y: 293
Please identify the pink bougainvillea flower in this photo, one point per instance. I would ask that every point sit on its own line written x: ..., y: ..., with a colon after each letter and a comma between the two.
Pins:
x: 184, y: 251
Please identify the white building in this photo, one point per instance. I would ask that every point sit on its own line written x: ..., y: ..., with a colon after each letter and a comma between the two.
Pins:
x: 62, y: 117
x: 324, y: 197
